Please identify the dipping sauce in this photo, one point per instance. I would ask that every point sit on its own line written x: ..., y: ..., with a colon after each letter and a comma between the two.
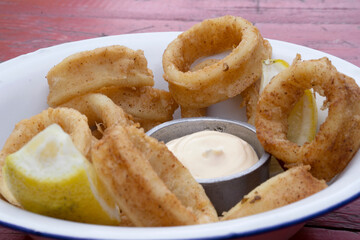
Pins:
x: 211, y: 154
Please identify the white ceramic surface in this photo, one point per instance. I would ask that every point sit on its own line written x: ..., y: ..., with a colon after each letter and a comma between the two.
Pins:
x: 23, y: 92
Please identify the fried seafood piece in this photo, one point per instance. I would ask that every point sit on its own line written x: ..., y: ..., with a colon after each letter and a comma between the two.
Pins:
x: 250, y: 98
x: 193, y: 112
x: 70, y: 120
x: 338, y: 138
x: 147, y: 124
x: 285, y: 188
x: 145, y: 104
x: 197, y: 112
x: 149, y: 184
x: 251, y: 94
x: 87, y: 71
x: 224, y: 78
x: 98, y: 108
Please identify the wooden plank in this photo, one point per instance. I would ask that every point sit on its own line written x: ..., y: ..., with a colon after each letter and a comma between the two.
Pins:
x: 187, y: 10
x: 43, y: 20
x: 325, y: 234
x: 339, y: 40
x: 347, y: 217
x: 10, y: 234
x: 33, y: 33
x: 311, y: 4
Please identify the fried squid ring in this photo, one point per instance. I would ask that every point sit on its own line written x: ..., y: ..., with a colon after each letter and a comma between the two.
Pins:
x: 285, y: 188
x: 250, y: 98
x: 222, y: 79
x: 338, y: 138
x: 143, y: 103
x: 88, y: 71
x: 70, y: 120
x: 98, y: 108
x: 193, y: 112
x: 149, y: 184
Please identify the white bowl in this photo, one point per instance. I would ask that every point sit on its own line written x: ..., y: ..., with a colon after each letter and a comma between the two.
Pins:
x: 23, y: 92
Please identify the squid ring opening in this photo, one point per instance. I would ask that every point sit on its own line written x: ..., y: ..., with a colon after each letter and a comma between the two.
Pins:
x: 338, y: 138
x: 70, y: 120
x: 222, y: 79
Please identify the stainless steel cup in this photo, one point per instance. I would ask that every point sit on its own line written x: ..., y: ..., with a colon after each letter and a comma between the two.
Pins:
x: 223, y: 192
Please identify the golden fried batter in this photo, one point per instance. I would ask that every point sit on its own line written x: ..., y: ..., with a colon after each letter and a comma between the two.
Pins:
x: 338, y: 138
x: 149, y: 184
x: 143, y: 103
x: 222, y: 79
x: 285, y: 188
x: 87, y: 71
x: 98, y: 108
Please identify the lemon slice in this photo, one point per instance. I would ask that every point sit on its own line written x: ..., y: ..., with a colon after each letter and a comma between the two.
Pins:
x: 302, y: 120
x: 270, y: 68
x: 51, y: 177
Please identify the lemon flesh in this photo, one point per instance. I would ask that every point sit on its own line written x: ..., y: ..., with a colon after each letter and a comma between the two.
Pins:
x: 302, y: 120
x: 51, y: 177
x: 270, y: 68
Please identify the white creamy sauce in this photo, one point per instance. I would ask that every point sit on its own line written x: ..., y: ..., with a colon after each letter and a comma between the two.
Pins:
x: 211, y: 154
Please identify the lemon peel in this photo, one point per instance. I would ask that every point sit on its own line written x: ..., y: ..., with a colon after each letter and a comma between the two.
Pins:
x: 51, y: 177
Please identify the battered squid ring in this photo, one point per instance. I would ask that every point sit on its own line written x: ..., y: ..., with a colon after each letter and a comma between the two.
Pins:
x: 338, y: 138
x: 223, y: 79
x: 70, y: 120
x: 285, y: 188
x: 99, y: 108
x: 149, y: 184
x: 147, y: 105
x: 88, y: 71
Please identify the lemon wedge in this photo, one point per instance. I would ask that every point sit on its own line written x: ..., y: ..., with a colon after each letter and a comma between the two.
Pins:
x: 51, y: 177
x: 270, y: 68
x: 302, y: 120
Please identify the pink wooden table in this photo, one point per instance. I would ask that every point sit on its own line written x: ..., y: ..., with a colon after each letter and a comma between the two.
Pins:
x: 331, y: 26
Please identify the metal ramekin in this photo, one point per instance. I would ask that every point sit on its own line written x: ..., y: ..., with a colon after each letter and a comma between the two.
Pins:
x: 224, y: 192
